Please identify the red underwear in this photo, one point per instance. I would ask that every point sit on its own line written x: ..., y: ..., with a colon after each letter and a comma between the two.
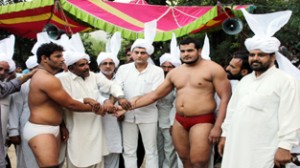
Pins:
x: 188, y: 122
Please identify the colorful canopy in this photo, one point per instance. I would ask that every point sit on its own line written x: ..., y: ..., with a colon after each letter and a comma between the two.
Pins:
x: 28, y: 18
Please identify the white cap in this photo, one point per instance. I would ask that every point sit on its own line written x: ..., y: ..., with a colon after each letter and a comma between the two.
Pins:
x: 105, y: 55
x: 12, y: 65
x: 31, y: 62
x: 72, y: 57
x: 264, y: 27
x: 142, y: 43
x: 168, y: 57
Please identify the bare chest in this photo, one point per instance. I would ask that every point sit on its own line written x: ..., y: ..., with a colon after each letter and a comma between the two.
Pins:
x: 192, y: 80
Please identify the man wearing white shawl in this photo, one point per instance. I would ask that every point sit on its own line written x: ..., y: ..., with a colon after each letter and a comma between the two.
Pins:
x: 138, y: 78
x: 107, y: 63
x: 263, y: 113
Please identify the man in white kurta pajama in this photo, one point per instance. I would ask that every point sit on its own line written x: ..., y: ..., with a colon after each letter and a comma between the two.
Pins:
x: 263, y: 113
x: 261, y: 108
x: 139, y: 78
x: 86, y: 144
x: 107, y: 63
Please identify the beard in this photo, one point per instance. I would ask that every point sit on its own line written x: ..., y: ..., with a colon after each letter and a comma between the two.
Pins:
x: 260, y: 67
x: 230, y: 76
x: 107, y: 72
x: 190, y: 62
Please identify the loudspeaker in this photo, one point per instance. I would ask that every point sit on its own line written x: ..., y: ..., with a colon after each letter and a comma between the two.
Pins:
x: 53, y: 31
x: 232, y: 26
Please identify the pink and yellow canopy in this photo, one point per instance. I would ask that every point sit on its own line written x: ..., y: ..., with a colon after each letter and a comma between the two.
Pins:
x: 28, y: 18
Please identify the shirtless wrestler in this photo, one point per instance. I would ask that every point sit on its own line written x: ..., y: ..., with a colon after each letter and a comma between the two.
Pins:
x: 46, y: 99
x: 195, y: 129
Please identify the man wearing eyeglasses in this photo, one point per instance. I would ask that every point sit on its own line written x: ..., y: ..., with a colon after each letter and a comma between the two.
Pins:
x: 108, y: 63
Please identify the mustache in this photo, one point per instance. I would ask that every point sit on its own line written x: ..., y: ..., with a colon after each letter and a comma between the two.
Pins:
x: 256, y: 62
x: 87, y: 70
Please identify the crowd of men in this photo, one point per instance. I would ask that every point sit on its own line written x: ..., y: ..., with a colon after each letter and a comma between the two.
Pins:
x: 81, y: 118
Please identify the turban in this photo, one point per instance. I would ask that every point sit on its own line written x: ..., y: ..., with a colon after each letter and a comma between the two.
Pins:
x: 105, y: 55
x: 168, y: 57
x: 72, y: 57
x: 265, y: 44
x: 142, y: 43
x: 12, y: 65
x: 31, y: 62
x: 3, y: 57
x: 264, y: 27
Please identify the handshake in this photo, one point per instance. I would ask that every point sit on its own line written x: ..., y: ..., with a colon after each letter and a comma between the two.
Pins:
x: 109, y: 107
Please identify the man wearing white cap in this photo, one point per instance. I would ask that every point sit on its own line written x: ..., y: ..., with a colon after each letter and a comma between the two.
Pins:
x: 263, y: 113
x: 138, y: 78
x: 86, y: 145
x: 166, y: 150
x: 45, y: 99
x: 18, y: 116
x: 107, y: 63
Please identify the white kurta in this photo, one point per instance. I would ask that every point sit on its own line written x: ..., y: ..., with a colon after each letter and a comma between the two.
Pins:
x: 86, y: 144
x: 4, y: 105
x: 262, y: 115
x: 6, y: 89
x: 112, y: 130
x: 165, y: 106
x: 135, y: 83
x: 166, y: 151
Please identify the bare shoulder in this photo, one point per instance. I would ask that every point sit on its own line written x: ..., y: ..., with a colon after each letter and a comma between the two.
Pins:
x: 175, y: 73
x: 213, y: 67
x: 212, y: 64
x: 44, y: 81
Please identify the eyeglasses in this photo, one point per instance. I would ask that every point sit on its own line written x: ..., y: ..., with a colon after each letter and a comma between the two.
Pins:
x: 107, y: 63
